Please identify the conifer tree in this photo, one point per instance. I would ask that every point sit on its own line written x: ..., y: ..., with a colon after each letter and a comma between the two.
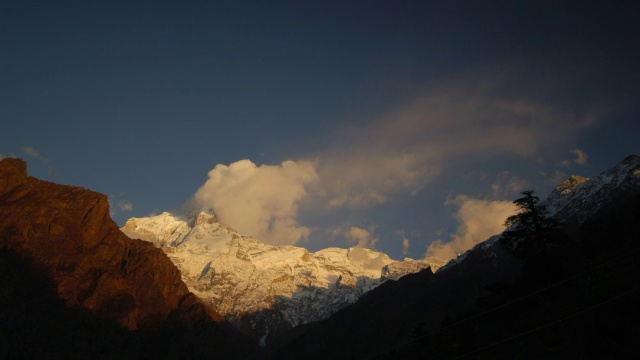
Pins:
x: 531, y: 212
x: 533, y: 223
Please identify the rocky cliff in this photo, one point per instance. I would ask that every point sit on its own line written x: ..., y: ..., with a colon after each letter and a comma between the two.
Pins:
x: 65, y: 235
x: 68, y: 233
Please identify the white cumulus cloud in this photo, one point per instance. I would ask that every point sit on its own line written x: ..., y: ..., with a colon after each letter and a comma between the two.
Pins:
x: 261, y: 201
x: 479, y: 219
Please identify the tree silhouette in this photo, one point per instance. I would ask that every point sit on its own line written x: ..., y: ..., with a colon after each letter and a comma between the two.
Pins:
x: 531, y: 224
x: 531, y: 212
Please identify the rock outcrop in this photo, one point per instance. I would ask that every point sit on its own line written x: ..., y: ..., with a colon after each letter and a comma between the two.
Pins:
x: 68, y: 234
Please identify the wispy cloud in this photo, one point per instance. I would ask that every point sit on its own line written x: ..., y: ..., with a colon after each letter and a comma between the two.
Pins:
x: 479, y: 219
x: 405, y: 242
x: 118, y: 205
x: 581, y: 158
x: 125, y: 206
x: 35, y: 154
x: 259, y: 200
x: 465, y: 120
x: 405, y: 246
x: 506, y: 185
x: 557, y: 178
x: 360, y: 237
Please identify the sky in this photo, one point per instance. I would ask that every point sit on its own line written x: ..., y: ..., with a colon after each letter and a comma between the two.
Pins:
x: 407, y: 127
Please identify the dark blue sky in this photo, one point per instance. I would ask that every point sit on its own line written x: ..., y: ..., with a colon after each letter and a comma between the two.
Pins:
x: 397, y: 107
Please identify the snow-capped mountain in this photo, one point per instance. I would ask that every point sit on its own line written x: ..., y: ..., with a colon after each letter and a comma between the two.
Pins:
x: 577, y: 199
x: 264, y: 288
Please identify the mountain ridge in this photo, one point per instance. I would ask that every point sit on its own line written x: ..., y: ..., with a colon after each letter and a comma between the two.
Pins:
x: 81, y: 280
x: 490, y: 273
x: 264, y: 288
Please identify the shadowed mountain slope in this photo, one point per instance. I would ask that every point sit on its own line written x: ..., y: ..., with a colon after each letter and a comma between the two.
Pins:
x: 61, y: 250
x: 576, y: 298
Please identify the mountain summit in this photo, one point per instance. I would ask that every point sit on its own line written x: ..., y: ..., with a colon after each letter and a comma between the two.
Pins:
x: 262, y: 288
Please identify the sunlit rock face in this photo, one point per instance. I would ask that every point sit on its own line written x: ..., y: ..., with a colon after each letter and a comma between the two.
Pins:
x: 68, y: 235
x: 260, y: 287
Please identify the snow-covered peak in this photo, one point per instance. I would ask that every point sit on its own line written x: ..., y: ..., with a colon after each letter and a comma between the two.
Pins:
x: 169, y: 229
x: 239, y: 275
x: 578, y: 198
x: 575, y: 200
x: 157, y: 229
x: 398, y: 269
x: 571, y: 183
x: 203, y: 217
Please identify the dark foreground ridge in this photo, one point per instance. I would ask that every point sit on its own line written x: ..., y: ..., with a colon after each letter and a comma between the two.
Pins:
x: 576, y: 297
x: 73, y: 286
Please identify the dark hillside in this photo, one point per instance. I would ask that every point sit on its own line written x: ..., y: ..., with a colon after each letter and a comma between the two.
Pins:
x: 587, y: 309
x: 573, y: 296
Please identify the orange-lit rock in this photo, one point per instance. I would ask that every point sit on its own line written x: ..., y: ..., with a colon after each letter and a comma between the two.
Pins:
x: 69, y: 236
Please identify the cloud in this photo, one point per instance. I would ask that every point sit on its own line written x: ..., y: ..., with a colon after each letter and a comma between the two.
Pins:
x: 362, y: 238
x: 261, y: 201
x: 125, y: 206
x: 359, y: 180
x: 581, y: 156
x: 30, y: 151
x: 9, y: 155
x: 466, y: 120
x: 357, y: 236
x: 33, y: 153
x: 558, y: 177
x: 405, y: 246
x: 405, y: 242
x: 462, y: 122
x: 507, y: 184
x: 479, y: 219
